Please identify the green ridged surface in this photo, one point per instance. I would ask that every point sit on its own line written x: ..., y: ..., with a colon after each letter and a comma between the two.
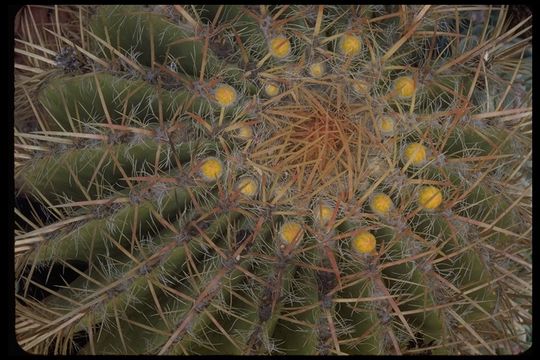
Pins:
x: 173, y: 260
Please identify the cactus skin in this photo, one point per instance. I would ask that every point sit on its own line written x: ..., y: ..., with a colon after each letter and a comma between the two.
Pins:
x: 242, y: 221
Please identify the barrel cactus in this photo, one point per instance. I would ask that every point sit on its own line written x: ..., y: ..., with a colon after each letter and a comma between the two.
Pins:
x: 288, y: 179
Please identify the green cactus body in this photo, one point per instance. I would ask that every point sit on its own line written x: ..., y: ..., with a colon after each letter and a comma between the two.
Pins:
x: 292, y: 179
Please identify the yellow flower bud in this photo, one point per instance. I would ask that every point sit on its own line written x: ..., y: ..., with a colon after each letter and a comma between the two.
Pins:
x: 387, y: 125
x: 245, y: 132
x: 416, y: 153
x: 429, y: 197
x: 225, y: 95
x: 280, y: 47
x: 405, y: 86
x: 317, y: 69
x: 291, y: 232
x: 271, y: 89
x: 381, y: 204
x: 364, y: 242
x: 248, y: 186
x: 323, y: 213
x: 211, y: 169
x: 350, y: 45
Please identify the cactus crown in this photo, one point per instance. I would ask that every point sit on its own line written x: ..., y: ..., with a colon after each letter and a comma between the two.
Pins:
x: 275, y: 180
